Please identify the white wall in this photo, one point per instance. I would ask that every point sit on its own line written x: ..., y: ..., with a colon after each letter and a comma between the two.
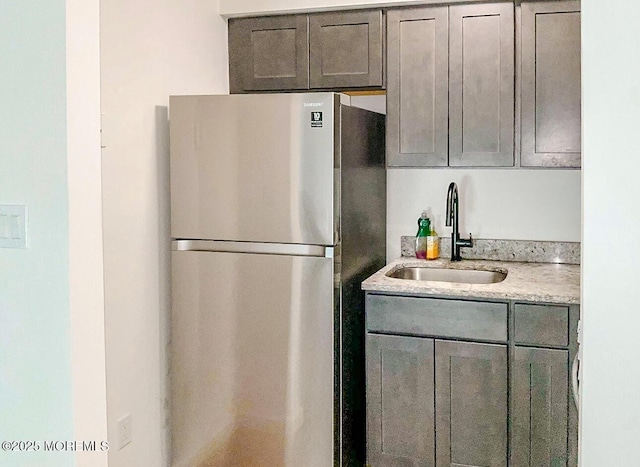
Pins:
x: 150, y: 49
x: 499, y: 204
x: 52, y: 381
x: 35, y: 342
x: 610, y: 273
x: 86, y: 294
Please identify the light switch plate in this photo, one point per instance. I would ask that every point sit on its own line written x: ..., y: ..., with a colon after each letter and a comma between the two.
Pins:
x: 13, y: 226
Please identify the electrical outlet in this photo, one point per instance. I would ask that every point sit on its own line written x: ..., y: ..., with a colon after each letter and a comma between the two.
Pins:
x: 125, y: 434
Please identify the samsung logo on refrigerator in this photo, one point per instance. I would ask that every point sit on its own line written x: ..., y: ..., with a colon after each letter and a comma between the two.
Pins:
x: 313, y: 104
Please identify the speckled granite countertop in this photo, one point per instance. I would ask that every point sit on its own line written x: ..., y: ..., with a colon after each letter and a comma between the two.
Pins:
x: 532, y: 282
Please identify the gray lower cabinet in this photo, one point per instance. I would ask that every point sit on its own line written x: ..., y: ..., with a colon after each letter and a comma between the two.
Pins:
x: 436, y: 402
x: 466, y: 383
x: 540, y: 407
x: 400, y: 401
x: 301, y: 52
x: 450, y: 85
x: 544, y: 428
x: 471, y: 404
x: 550, y: 84
x: 541, y: 325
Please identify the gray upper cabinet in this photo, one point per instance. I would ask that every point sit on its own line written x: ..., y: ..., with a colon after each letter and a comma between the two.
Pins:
x: 481, y: 85
x: 301, y: 52
x: 450, y: 86
x: 345, y: 49
x: 550, y: 87
x: 268, y: 53
x: 417, y: 86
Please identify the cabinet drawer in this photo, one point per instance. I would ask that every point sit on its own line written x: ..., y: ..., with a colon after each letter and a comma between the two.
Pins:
x: 437, y: 317
x: 542, y: 325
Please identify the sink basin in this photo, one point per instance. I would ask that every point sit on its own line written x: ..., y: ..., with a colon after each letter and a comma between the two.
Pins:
x: 463, y: 276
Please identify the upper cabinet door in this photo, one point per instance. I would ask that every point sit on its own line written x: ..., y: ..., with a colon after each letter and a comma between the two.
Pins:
x: 481, y: 85
x: 417, y: 107
x: 268, y: 53
x: 346, y: 49
x: 551, y: 84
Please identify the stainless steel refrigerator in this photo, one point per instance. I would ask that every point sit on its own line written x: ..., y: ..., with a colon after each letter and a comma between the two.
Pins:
x: 278, y: 208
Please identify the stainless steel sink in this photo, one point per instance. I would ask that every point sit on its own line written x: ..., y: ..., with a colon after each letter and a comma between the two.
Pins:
x: 463, y: 276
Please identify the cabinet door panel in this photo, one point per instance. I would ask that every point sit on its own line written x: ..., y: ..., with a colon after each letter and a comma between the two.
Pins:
x: 417, y: 82
x: 471, y: 404
x: 400, y: 401
x: 551, y: 84
x: 540, y: 410
x: 346, y: 49
x: 268, y: 53
x: 481, y: 92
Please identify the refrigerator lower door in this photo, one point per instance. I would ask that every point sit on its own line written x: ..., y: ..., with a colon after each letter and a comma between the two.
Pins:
x: 252, y: 380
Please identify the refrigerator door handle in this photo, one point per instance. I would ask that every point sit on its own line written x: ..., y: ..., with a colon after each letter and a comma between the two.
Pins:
x: 287, y: 249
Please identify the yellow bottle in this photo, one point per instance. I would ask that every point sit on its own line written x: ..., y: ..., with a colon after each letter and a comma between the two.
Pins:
x: 433, y: 244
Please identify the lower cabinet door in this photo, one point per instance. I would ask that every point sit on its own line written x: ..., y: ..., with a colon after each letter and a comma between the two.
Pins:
x: 400, y: 401
x: 540, y: 407
x: 471, y: 404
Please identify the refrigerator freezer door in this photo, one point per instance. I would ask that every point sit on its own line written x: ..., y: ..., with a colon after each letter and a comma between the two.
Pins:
x: 252, y: 360
x: 253, y: 167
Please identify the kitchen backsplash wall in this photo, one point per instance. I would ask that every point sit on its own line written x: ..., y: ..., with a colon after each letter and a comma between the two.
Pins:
x: 507, y: 204
x: 530, y: 251
x: 494, y: 203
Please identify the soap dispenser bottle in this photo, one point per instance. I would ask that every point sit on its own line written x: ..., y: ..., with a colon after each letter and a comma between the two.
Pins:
x: 424, y: 229
x: 433, y: 244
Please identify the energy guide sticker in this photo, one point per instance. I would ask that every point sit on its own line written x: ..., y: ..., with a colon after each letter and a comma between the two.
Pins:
x: 316, y: 119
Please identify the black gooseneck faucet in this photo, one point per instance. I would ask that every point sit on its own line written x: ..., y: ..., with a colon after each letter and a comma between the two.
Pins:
x: 452, y: 218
